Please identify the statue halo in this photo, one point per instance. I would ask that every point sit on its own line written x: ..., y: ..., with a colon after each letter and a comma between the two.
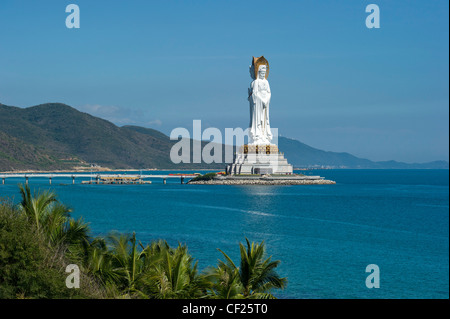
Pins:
x: 257, y: 62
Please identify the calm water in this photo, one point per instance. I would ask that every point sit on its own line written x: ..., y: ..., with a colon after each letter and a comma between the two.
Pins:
x: 325, y: 235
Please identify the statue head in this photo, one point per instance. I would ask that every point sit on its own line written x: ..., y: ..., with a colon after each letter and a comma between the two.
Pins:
x: 262, y: 71
x: 259, y: 66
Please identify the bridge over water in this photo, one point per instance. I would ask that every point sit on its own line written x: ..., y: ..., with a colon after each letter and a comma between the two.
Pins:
x: 97, y: 178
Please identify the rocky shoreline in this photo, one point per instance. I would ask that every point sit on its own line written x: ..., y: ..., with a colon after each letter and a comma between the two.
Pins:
x: 263, y: 181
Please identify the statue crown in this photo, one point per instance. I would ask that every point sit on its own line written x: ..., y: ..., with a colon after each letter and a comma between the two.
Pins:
x: 256, y: 63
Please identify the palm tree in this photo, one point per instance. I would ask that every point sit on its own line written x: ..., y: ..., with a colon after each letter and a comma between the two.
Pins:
x: 255, y: 277
x: 169, y: 273
x: 128, y: 269
x: 35, y: 206
x: 53, y: 218
x: 225, y: 282
x: 99, y: 261
x: 156, y: 271
x: 126, y: 261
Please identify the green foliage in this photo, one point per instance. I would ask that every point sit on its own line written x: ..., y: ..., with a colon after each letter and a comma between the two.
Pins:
x: 28, y: 267
x: 52, y: 218
x: 171, y: 273
x: 254, y: 278
x: 204, y: 177
x: 38, y: 238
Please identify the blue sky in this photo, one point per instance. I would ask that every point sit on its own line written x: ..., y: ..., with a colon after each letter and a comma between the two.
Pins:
x: 336, y: 85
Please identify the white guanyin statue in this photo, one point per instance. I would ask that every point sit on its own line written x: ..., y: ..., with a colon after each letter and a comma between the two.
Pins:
x: 259, y: 98
x: 259, y: 156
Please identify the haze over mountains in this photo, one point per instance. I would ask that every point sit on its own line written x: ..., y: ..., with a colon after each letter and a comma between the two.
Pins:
x: 56, y: 136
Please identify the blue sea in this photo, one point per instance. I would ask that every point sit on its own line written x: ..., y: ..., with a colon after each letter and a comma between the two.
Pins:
x: 324, y: 235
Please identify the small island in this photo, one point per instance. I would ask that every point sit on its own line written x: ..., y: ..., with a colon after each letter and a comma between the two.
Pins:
x: 259, y: 162
x: 256, y: 179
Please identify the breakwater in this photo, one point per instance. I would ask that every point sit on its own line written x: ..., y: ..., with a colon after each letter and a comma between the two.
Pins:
x: 264, y: 180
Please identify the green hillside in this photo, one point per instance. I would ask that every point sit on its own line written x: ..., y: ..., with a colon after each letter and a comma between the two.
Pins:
x: 56, y: 136
x: 302, y: 155
x: 16, y: 154
x: 61, y: 132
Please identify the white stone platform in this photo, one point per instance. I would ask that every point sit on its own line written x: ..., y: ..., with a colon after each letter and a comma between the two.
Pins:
x: 293, y: 179
x: 259, y: 159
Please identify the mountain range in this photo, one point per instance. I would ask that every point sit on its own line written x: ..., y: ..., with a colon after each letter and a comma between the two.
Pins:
x: 55, y: 136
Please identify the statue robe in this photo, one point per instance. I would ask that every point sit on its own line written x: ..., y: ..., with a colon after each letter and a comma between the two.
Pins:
x: 259, y: 99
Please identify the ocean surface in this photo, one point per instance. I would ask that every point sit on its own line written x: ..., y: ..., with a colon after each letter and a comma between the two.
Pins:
x: 324, y: 235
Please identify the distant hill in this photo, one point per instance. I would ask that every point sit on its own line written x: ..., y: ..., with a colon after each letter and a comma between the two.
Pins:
x: 61, y: 132
x: 57, y: 136
x: 302, y: 155
x: 16, y: 154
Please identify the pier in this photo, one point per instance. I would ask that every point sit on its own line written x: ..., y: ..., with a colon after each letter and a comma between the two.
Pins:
x: 101, y: 178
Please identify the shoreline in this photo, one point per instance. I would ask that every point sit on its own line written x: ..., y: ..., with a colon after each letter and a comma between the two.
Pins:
x: 103, y: 169
x: 264, y: 180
